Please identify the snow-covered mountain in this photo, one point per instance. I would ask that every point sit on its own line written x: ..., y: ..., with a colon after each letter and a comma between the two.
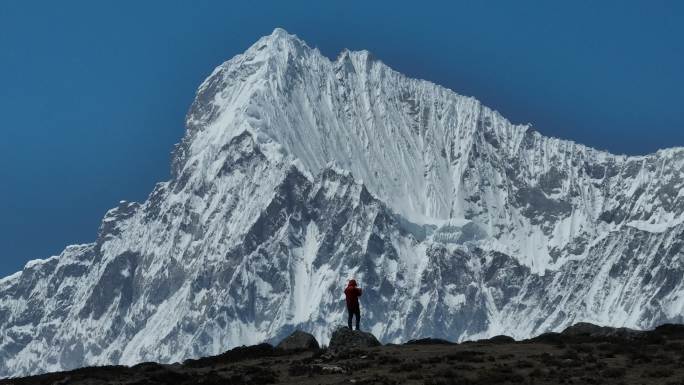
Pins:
x: 297, y: 173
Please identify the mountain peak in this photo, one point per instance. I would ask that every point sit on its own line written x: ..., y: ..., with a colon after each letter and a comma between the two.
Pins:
x: 280, y: 40
x: 280, y: 33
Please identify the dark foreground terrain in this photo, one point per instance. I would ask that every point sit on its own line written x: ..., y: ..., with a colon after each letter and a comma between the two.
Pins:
x: 582, y: 354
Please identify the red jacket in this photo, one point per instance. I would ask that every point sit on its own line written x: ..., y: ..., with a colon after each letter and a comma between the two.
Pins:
x: 352, y: 294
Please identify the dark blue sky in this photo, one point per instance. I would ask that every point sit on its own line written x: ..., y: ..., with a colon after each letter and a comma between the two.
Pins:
x: 93, y: 94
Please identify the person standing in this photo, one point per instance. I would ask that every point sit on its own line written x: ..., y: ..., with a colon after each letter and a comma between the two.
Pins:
x: 352, y: 294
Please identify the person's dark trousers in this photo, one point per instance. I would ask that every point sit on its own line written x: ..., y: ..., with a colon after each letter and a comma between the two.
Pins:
x: 354, y: 312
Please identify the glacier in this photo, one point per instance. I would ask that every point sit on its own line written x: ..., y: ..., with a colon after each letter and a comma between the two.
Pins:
x: 298, y: 172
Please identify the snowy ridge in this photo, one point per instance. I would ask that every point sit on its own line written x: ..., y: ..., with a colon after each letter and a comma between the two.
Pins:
x: 297, y: 172
x: 414, y: 145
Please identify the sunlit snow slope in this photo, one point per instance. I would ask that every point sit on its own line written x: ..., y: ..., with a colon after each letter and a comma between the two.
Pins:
x: 297, y: 172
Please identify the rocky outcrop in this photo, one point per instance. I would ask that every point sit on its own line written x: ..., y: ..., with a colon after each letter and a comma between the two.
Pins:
x: 590, y: 330
x: 578, y: 358
x: 298, y: 340
x: 344, y: 338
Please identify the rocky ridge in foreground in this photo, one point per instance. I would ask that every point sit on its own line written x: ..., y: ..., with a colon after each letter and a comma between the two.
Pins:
x: 582, y: 354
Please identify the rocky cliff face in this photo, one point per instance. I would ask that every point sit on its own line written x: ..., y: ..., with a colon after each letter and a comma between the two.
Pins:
x: 297, y: 172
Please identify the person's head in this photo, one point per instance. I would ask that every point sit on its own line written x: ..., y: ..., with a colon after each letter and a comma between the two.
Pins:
x: 352, y: 282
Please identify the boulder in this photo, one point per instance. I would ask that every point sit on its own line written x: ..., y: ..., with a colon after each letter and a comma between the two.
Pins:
x: 344, y: 338
x: 298, y: 340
